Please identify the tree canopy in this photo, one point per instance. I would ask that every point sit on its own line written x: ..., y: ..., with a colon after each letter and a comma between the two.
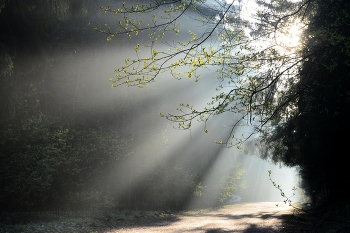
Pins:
x: 291, y: 87
x: 255, y: 67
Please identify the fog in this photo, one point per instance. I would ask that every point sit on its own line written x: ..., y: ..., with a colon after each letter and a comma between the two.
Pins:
x: 78, y: 83
x: 178, y: 146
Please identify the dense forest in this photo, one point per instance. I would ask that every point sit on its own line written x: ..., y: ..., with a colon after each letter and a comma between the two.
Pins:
x: 315, y: 138
x: 65, y: 147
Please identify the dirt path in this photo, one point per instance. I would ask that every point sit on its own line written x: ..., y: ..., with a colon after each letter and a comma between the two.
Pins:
x: 246, y: 218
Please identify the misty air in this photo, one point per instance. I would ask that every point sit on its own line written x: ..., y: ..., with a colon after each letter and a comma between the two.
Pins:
x: 174, y: 116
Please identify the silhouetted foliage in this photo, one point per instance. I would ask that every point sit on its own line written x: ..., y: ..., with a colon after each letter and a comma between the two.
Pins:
x: 315, y: 138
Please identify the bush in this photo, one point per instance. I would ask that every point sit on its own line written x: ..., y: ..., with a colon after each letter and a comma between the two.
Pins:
x: 45, y: 163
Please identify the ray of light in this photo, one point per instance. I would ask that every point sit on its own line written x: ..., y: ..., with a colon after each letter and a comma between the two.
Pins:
x: 155, y: 146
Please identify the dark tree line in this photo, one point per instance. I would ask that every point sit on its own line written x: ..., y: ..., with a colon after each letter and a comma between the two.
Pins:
x: 51, y: 157
x: 316, y: 138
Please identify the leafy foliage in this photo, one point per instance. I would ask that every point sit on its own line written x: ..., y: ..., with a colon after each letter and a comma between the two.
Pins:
x: 295, y: 95
x: 255, y: 79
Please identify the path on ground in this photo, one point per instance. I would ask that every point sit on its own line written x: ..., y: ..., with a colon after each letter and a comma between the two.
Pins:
x: 257, y: 217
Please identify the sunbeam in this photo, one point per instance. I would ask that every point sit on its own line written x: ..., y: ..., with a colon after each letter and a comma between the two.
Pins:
x: 151, y: 163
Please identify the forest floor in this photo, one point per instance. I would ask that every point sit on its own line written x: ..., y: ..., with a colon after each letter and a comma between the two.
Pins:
x: 260, y: 217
